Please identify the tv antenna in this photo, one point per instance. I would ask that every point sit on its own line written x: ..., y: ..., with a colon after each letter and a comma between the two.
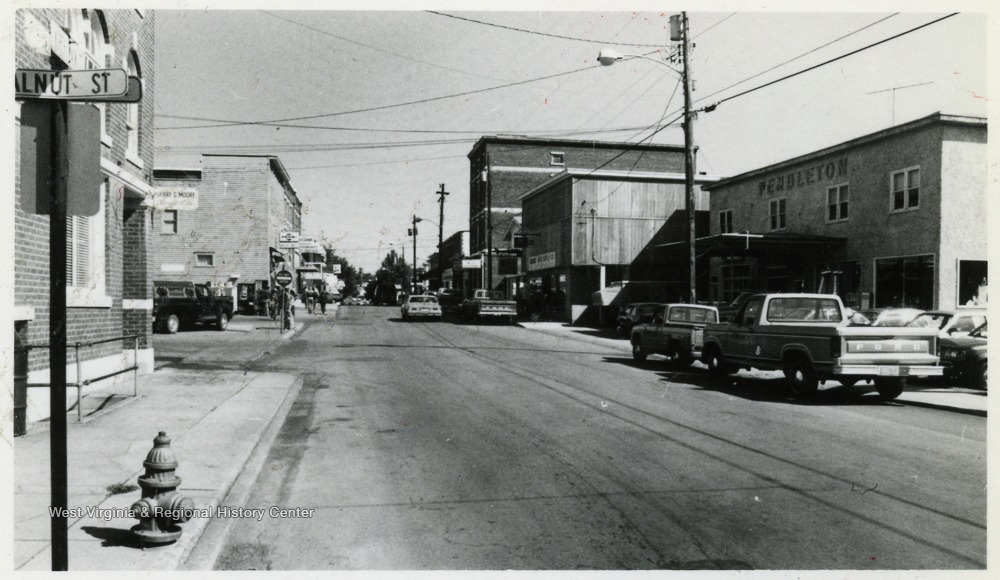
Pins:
x: 894, y: 89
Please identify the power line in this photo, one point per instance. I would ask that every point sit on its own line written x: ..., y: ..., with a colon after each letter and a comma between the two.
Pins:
x: 808, y: 52
x: 841, y: 57
x: 396, y: 105
x: 714, y: 25
x: 542, y: 33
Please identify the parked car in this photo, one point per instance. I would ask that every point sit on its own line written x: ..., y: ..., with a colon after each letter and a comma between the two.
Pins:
x: 450, y: 299
x: 964, y: 357
x: 726, y: 312
x: 419, y: 305
x: 489, y: 305
x: 177, y: 304
x: 896, y: 316
x: 633, y: 314
x: 676, y: 331
x: 950, y: 323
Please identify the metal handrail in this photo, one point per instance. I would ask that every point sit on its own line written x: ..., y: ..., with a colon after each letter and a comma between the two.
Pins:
x: 80, y: 382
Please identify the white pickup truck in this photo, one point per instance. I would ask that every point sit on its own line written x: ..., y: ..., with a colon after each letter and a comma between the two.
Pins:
x: 489, y: 305
x: 809, y: 337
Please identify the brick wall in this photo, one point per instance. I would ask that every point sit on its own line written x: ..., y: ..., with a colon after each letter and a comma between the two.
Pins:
x: 126, y: 31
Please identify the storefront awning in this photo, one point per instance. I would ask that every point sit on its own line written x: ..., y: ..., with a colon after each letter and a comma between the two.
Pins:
x: 747, y: 244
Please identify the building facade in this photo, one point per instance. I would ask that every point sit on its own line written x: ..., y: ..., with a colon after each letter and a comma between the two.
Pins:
x: 245, y: 203
x: 503, y: 168
x: 585, y: 229
x: 108, y: 274
x: 454, y: 249
x: 891, y: 219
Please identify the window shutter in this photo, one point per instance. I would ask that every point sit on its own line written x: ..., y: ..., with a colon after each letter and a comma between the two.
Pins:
x: 82, y: 266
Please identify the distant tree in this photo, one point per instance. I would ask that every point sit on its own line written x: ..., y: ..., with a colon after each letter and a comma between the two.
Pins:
x: 397, y: 265
x: 349, y: 275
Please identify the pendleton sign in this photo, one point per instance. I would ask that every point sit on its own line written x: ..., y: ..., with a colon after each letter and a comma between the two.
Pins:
x: 807, y: 176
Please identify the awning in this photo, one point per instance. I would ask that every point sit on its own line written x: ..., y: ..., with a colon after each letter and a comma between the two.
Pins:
x: 277, y: 255
x: 748, y: 244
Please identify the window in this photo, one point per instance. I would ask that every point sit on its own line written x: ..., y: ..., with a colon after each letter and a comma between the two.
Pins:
x: 132, y: 117
x: 726, y: 221
x: 557, y: 158
x: 836, y: 203
x: 905, y: 282
x: 778, y: 214
x: 85, y: 258
x: 168, y: 221
x: 204, y: 260
x: 803, y: 309
x: 905, y: 189
x: 87, y: 30
x: 78, y: 245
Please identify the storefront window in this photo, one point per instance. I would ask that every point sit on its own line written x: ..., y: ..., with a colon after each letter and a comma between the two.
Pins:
x: 972, y: 282
x: 905, y: 282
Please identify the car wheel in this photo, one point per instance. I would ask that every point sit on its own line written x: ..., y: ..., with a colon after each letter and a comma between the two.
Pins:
x: 982, y: 383
x: 172, y: 324
x: 802, y: 379
x: 889, y: 389
x: 222, y: 321
x: 680, y: 355
x: 638, y: 353
x: 717, y: 365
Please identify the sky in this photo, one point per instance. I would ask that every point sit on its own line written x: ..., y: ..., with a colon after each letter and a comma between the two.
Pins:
x: 368, y: 123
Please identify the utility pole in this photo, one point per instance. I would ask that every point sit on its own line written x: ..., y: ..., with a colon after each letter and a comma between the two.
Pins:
x: 688, y: 155
x: 414, y: 267
x: 440, y: 272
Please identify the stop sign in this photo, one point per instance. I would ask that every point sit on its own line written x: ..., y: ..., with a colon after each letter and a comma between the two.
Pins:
x: 283, y: 277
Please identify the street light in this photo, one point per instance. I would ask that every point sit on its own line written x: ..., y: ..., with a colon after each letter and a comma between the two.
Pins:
x: 608, y: 57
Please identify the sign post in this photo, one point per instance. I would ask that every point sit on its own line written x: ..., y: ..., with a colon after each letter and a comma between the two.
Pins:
x: 64, y: 160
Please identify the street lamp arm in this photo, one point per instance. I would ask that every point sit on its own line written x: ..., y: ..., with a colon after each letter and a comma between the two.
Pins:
x: 609, y: 56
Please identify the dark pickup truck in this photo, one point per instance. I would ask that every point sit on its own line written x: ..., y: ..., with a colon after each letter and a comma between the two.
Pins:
x: 177, y: 304
x: 676, y: 331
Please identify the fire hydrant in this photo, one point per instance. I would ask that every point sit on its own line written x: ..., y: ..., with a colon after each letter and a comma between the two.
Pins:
x: 161, y: 508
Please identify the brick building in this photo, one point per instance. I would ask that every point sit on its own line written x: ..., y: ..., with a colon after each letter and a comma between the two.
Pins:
x: 108, y: 286
x: 244, y: 203
x: 896, y: 218
x: 504, y: 168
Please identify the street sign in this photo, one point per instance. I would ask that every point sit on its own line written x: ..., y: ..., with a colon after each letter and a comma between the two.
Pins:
x: 283, y: 277
x: 70, y: 84
x: 132, y: 95
x: 179, y: 198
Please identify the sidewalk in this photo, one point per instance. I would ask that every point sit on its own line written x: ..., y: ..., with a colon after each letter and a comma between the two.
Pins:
x: 919, y: 392
x: 215, y: 420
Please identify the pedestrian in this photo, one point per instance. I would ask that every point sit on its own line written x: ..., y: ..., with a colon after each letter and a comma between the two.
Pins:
x: 289, y: 308
x: 324, y: 297
x: 311, y: 298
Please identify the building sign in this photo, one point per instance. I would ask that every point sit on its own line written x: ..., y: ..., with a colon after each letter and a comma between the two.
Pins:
x: 336, y: 268
x: 172, y: 198
x: 471, y: 264
x: 542, y: 261
x: 309, y: 245
x: 69, y: 84
x: 288, y: 240
x: 815, y: 174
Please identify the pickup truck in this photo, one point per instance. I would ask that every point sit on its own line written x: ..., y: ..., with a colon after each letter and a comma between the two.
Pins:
x: 810, y: 338
x: 489, y: 304
x: 676, y: 331
x: 177, y: 304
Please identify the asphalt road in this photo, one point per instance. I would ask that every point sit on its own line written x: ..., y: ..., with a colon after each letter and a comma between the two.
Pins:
x: 451, y: 446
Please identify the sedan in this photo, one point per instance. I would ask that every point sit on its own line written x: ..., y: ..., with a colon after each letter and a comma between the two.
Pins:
x: 421, y: 305
x: 951, y: 323
x: 964, y: 357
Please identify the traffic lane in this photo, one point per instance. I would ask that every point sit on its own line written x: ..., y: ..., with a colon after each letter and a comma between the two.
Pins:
x: 438, y: 479
x: 925, y: 461
x: 661, y: 486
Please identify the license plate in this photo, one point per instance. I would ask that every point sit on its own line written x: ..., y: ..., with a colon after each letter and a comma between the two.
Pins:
x: 893, y: 371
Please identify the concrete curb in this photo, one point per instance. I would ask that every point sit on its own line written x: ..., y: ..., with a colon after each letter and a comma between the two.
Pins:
x: 208, y: 546
x: 976, y: 412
